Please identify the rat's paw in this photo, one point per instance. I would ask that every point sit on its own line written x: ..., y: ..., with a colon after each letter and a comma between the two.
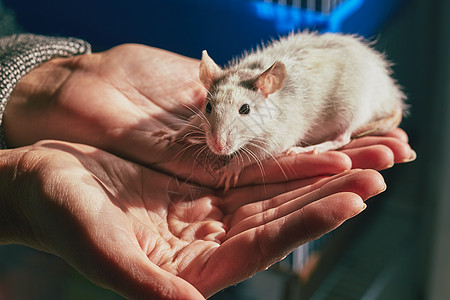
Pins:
x: 165, y: 135
x: 229, y: 176
x: 301, y: 150
x: 338, y: 142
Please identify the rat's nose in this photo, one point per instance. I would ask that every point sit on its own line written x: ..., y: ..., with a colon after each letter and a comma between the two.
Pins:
x: 219, y: 143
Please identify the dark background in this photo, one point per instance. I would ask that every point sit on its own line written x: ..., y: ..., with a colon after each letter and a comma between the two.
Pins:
x: 400, y: 250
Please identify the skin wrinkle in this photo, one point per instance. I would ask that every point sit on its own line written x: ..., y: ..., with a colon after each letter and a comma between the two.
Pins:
x: 203, y: 275
x: 161, y: 87
x: 144, y: 196
x: 244, y: 224
x: 178, y: 244
x: 179, y: 257
x: 336, y: 216
x: 390, y: 142
x: 161, y: 231
x: 150, y: 252
x: 59, y: 89
x: 145, y: 102
x: 239, y: 210
x: 266, y: 251
x: 181, y: 253
x: 269, y: 204
x: 259, y: 244
x: 28, y: 231
x: 303, y: 227
x: 129, y: 94
x: 158, y: 254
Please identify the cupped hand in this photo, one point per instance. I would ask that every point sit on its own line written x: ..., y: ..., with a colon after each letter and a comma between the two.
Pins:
x: 147, y: 235
x: 116, y: 100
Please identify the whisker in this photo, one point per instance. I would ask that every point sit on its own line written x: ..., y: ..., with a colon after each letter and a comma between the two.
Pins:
x: 270, y: 155
x: 261, y: 170
x: 257, y: 160
x: 201, y: 85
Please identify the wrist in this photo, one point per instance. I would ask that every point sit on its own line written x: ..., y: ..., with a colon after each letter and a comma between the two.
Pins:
x: 28, y: 110
x: 19, y: 54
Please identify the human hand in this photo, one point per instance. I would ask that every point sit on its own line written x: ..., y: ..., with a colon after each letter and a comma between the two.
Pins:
x: 116, y: 99
x: 146, y: 235
x: 111, y: 100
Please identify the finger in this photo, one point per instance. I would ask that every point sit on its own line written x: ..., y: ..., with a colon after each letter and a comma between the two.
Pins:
x: 377, y: 157
x: 293, y: 167
x: 258, y: 248
x: 399, y: 134
x: 402, y: 151
x: 241, y: 196
x: 281, y: 236
x: 364, y: 183
x: 238, y: 197
x: 235, y: 198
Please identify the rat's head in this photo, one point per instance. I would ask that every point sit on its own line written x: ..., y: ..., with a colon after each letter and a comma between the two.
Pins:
x: 237, y: 106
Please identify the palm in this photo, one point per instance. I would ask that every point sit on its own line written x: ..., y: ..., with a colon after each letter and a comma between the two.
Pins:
x: 134, y: 223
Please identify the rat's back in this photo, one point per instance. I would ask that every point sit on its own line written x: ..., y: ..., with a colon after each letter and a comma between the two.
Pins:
x: 333, y: 77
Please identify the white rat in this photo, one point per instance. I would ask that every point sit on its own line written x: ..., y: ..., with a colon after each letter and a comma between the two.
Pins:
x: 303, y: 93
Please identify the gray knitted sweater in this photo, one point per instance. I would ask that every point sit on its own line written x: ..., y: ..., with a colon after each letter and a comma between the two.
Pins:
x: 19, y: 54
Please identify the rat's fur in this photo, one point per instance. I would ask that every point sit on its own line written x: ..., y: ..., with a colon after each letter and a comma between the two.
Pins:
x: 325, y: 89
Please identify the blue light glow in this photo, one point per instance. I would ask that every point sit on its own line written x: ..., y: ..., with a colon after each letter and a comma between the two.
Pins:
x: 287, y: 18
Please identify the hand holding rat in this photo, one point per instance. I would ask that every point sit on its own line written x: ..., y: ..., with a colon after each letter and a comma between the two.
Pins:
x: 115, y: 100
x: 133, y: 230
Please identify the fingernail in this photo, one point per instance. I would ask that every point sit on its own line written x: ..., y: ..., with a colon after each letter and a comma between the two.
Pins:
x: 387, y: 166
x: 363, y: 207
x: 412, y: 157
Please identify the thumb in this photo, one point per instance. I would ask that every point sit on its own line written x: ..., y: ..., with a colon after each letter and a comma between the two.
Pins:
x: 145, y: 280
x: 120, y: 265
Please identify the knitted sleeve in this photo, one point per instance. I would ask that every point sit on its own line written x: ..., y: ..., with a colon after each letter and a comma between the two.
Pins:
x: 19, y: 54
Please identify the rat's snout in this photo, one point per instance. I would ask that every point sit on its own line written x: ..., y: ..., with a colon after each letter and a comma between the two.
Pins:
x: 219, y: 143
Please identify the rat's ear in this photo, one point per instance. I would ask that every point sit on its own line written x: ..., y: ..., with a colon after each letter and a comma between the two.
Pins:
x: 209, y: 70
x: 272, y: 79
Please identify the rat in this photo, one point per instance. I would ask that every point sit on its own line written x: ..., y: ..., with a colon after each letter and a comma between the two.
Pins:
x: 303, y: 93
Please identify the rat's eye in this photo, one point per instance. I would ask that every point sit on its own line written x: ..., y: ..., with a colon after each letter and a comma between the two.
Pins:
x: 245, y: 109
x: 208, y: 108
